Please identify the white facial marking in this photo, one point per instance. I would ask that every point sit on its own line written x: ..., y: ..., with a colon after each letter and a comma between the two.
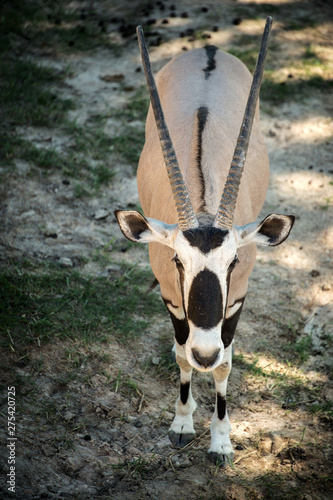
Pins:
x: 233, y: 309
x: 178, y: 312
x: 204, y: 342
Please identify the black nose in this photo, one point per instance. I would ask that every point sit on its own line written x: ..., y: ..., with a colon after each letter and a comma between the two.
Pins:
x: 205, y: 361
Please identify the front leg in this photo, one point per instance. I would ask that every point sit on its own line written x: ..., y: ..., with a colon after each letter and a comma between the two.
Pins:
x: 182, y: 431
x: 221, y: 450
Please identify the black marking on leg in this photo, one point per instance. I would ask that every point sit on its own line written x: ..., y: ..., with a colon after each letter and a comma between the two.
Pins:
x: 221, y: 406
x: 202, y: 115
x: 180, y: 326
x: 205, y: 300
x: 211, y: 63
x: 184, y: 391
x: 230, y: 324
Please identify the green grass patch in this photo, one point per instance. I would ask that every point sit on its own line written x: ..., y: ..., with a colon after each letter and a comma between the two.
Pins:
x: 322, y: 408
x: 247, y: 56
x: 279, y: 92
x: 139, y: 467
x: 38, y: 305
x: 136, y: 108
x: 26, y: 97
x: 275, y: 488
x: 300, y: 23
x: 53, y: 26
x: 289, y: 390
x: 302, y: 348
x: 129, y: 146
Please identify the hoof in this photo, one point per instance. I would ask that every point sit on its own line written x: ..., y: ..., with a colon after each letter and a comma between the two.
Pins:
x: 180, y: 440
x: 219, y: 459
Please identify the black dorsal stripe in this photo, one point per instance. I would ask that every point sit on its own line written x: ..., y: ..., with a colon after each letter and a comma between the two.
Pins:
x: 205, y: 300
x: 202, y: 115
x: 211, y: 63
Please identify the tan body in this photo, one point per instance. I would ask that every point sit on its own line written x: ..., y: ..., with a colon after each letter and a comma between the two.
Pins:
x: 201, y: 195
x: 183, y: 88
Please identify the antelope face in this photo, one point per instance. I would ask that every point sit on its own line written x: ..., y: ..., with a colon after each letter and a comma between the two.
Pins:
x: 205, y: 257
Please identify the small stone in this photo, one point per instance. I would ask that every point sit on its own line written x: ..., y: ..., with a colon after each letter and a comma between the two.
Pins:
x: 326, y: 287
x: 314, y: 273
x: 65, y: 262
x: 156, y: 360
x: 102, y: 213
x: 113, y: 78
x: 69, y: 415
x: 48, y: 234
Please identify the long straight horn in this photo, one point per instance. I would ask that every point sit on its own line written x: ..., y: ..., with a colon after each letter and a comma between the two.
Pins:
x: 225, y: 213
x: 186, y: 215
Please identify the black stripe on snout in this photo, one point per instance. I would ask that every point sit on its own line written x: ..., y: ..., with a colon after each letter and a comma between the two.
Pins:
x: 205, y: 300
x: 211, y: 63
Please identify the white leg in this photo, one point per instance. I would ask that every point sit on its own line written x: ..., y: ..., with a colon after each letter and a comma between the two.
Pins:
x: 221, y: 450
x: 182, y: 431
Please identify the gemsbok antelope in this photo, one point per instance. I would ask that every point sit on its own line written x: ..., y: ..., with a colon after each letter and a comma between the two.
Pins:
x: 202, y: 244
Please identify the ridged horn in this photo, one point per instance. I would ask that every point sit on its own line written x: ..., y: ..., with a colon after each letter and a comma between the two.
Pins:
x: 225, y: 214
x: 186, y: 215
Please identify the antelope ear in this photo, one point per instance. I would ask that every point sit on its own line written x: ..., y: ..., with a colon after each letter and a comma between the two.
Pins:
x: 270, y: 232
x: 142, y: 229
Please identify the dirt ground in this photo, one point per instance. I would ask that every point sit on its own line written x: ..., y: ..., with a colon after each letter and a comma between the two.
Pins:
x: 96, y: 426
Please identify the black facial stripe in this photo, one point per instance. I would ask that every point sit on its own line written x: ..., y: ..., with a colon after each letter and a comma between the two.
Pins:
x: 202, y: 118
x: 205, y: 307
x: 184, y: 390
x: 230, y: 324
x: 205, y: 238
x: 211, y: 63
x: 180, y: 326
x: 221, y: 406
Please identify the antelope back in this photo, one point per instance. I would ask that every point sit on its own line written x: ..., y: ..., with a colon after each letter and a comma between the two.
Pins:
x: 203, y: 94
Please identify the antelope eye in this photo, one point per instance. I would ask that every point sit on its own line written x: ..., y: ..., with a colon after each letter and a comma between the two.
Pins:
x: 234, y: 262
x: 177, y: 261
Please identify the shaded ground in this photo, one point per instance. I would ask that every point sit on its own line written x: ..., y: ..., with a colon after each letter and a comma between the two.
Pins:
x: 84, y: 342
